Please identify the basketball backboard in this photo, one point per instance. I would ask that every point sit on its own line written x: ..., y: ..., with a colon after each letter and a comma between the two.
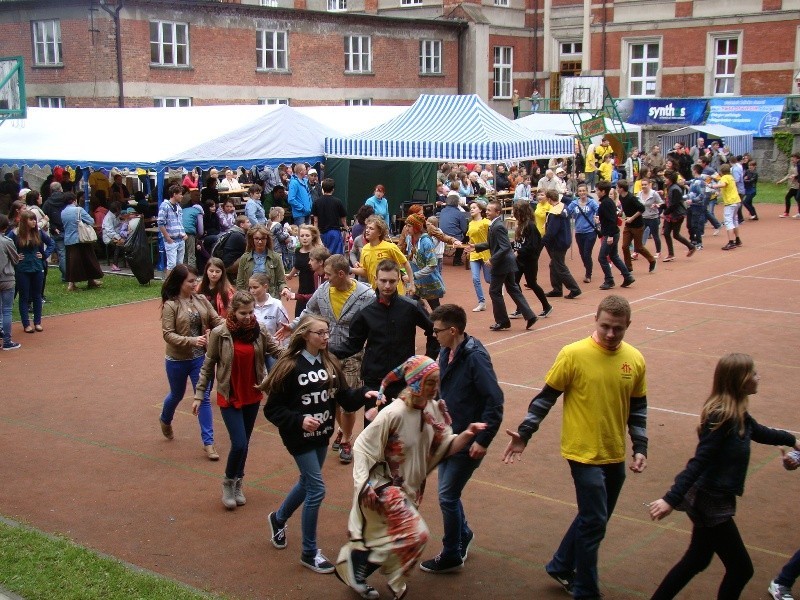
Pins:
x: 13, y: 103
x: 582, y: 93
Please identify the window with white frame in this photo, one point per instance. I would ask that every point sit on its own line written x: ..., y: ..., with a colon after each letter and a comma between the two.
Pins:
x: 271, y: 50
x: 169, y: 44
x: 272, y: 3
x: 337, y: 5
x: 171, y: 102
x: 271, y: 101
x: 46, y: 42
x: 358, y: 102
x: 571, y: 48
x: 726, y: 61
x: 643, y: 61
x: 357, y: 54
x: 503, y: 62
x: 430, y: 57
x: 52, y: 102
x: 501, y: 2
x: 410, y: 2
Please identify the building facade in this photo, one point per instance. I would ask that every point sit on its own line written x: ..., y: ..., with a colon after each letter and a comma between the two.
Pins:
x: 390, y: 51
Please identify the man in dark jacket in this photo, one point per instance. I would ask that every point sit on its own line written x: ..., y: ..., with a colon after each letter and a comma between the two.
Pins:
x: 468, y: 385
x: 453, y: 222
x: 504, y: 266
x: 609, y: 243
x: 233, y: 246
x: 55, y: 203
x: 388, y: 326
x: 557, y: 239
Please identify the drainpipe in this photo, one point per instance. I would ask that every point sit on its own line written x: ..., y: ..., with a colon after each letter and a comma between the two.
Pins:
x: 535, y: 43
x: 115, y: 17
x: 603, y: 51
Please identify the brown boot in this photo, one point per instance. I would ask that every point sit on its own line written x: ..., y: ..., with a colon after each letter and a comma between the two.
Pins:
x: 211, y: 452
x: 166, y: 430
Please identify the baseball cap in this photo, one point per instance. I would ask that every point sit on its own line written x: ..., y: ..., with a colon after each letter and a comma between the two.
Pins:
x: 312, y: 172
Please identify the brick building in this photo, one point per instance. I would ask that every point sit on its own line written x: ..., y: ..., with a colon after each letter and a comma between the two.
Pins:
x: 390, y: 51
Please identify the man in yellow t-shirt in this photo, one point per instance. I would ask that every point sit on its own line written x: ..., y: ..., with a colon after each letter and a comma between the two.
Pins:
x: 731, y: 202
x: 605, y: 392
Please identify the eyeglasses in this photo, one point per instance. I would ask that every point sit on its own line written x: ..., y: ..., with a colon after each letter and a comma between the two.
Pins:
x: 323, y: 333
x: 438, y: 331
x: 259, y: 239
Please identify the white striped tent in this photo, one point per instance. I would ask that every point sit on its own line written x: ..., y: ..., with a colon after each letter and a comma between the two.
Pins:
x: 738, y: 141
x: 448, y: 129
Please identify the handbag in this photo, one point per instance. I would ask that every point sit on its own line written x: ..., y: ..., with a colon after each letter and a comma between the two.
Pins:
x: 594, y: 225
x: 86, y: 233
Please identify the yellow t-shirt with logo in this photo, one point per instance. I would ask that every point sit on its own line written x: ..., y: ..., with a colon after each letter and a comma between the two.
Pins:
x: 371, y: 256
x: 730, y: 195
x: 478, y: 233
x: 339, y: 298
x: 598, y: 385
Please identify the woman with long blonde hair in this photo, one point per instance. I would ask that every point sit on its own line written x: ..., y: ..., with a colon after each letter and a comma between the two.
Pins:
x: 303, y: 391
x: 707, y: 488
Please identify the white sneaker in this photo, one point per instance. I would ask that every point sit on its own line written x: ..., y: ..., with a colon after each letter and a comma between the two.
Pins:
x: 717, y: 230
x: 797, y: 216
x: 779, y: 592
x: 480, y: 308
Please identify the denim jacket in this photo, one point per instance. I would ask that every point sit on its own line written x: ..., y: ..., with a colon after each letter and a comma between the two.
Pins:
x: 70, y: 216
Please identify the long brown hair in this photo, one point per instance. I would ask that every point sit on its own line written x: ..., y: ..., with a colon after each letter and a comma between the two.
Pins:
x: 28, y: 236
x: 254, y: 229
x: 728, y: 401
x: 524, y: 215
x: 316, y: 240
x: 223, y: 287
x: 286, y: 364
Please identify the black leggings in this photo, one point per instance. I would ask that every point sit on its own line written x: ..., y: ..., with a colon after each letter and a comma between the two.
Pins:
x: 530, y: 268
x: 672, y: 229
x: 787, y: 199
x: 723, y: 540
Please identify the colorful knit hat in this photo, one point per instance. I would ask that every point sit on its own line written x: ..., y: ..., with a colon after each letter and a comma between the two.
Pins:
x: 416, y: 221
x: 414, y: 371
x: 416, y: 209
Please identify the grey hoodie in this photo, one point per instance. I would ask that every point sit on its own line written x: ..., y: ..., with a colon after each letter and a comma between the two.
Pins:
x: 8, y: 258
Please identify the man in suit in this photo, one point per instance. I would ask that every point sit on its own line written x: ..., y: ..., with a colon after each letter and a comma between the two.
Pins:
x: 503, y: 265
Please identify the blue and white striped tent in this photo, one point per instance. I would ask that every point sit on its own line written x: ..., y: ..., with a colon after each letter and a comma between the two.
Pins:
x: 448, y: 129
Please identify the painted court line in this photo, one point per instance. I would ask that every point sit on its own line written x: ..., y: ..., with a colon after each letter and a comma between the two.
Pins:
x: 770, y: 278
x: 767, y: 310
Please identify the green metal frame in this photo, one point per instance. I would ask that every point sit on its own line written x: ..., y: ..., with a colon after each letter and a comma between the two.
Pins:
x: 609, y: 111
x: 19, y: 71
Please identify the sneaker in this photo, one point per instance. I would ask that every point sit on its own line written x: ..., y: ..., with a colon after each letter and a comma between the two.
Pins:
x: 346, y: 453
x: 12, y: 346
x: 546, y: 312
x: 572, y: 295
x: 515, y: 315
x: 466, y: 542
x: 442, y: 564
x: 783, y: 215
x: 317, y: 563
x: 278, y: 532
x: 554, y: 294
x: 652, y: 268
x: 657, y: 255
x: 628, y: 281
x: 634, y: 256
x: 565, y: 580
x: 717, y: 230
x: 737, y: 243
x: 779, y: 592
x: 797, y: 216
x: 115, y: 269
x: 606, y: 285
x: 668, y: 259
x: 480, y: 308
x: 699, y: 246
x: 754, y: 218
x: 337, y: 442
x: 729, y: 246
x: 587, y: 279
x: 354, y: 571
x: 691, y: 251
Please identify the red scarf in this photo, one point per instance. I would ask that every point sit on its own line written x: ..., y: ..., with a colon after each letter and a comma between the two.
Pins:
x: 243, y: 332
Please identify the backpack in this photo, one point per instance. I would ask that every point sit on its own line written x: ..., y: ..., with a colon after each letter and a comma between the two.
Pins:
x: 219, y: 248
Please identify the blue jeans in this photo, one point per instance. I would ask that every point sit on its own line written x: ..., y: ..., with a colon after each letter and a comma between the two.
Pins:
x: 747, y: 202
x: 790, y: 571
x: 29, y: 286
x: 697, y: 222
x: 597, y: 488
x: 712, y: 204
x: 586, y: 243
x: 301, y: 220
x: 308, y: 491
x: 454, y: 473
x: 61, y: 249
x: 611, y: 250
x: 651, y: 228
x: 6, y: 301
x: 476, y: 266
x: 177, y: 372
x: 239, y: 422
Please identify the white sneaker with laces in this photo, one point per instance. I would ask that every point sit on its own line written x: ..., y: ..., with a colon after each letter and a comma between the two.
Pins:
x: 480, y: 308
x: 797, y: 216
x: 779, y: 592
x: 317, y: 563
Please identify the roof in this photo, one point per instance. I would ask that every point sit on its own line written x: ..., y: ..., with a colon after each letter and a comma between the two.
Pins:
x: 448, y: 128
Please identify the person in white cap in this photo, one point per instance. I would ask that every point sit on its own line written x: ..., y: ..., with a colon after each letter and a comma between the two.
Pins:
x: 314, y: 186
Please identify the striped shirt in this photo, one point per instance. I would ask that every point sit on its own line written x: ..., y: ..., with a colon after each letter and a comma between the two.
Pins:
x: 170, y: 216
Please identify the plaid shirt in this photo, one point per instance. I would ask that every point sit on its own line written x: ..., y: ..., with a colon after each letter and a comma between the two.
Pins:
x: 170, y: 217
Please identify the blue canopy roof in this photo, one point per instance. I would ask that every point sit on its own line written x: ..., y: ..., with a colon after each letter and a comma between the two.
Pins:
x: 449, y: 129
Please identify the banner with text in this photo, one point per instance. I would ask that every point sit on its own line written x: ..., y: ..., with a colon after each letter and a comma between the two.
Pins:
x: 668, y: 111
x: 756, y: 115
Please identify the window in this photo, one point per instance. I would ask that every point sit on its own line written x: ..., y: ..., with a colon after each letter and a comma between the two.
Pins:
x: 46, y: 42
x: 337, y: 5
x: 171, y: 102
x: 503, y: 57
x: 357, y: 54
x: 726, y: 60
x: 430, y: 57
x: 273, y: 3
x: 271, y: 101
x: 52, y: 102
x: 271, y: 54
x: 501, y: 2
x: 643, y: 61
x: 358, y: 102
x: 571, y: 48
x: 169, y: 44
x: 410, y: 2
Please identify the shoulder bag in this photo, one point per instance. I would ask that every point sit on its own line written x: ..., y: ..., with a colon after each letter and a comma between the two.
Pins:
x: 86, y: 233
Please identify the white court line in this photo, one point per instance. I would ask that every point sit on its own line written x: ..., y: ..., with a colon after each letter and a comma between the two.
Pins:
x: 651, y: 297
x: 519, y: 385
x: 782, y: 312
x: 770, y: 278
